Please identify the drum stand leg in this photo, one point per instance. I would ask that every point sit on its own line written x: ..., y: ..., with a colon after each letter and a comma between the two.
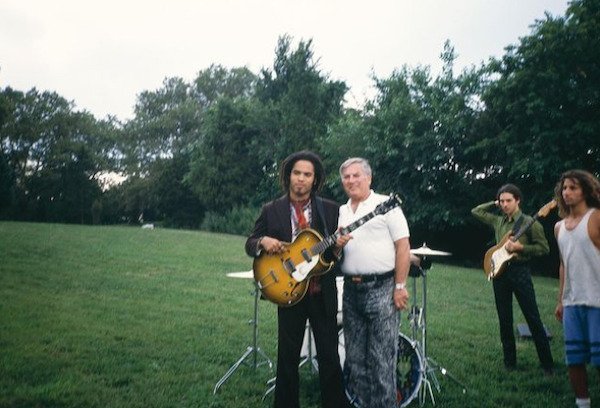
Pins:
x: 432, y: 366
x: 252, y: 351
x: 271, y: 385
x: 429, y: 368
x: 310, y: 355
x: 418, y: 319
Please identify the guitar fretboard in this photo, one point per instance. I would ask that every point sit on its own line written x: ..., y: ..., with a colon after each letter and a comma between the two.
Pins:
x: 383, y: 208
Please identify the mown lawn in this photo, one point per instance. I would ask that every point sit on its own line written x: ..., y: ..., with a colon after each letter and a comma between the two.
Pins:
x: 125, y: 317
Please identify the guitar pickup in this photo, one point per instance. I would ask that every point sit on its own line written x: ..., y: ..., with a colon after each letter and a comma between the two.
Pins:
x: 289, y: 265
x: 306, y: 255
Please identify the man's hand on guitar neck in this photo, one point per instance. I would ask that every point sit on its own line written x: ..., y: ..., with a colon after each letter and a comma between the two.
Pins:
x: 340, y: 243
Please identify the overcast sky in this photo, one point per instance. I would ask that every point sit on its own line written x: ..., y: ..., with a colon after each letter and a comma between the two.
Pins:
x: 102, y: 54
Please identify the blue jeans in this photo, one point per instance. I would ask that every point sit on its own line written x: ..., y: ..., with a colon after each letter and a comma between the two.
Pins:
x: 371, y: 340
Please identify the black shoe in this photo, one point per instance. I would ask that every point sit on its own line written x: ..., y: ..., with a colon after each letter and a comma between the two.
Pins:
x: 549, y: 372
x: 510, y: 367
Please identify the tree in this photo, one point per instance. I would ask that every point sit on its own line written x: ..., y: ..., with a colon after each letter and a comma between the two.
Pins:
x: 225, y: 170
x: 420, y: 131
x: 168, y: 126
x: 176, y: 204
x: 169, y: 121
x: 299, y: 102
x: 7, y: 179
x: 55, y: 155
x: 7, y: 187
x: 166, y: 123
x: 216, y: 81
x: 543, y: 109
x: 345, y: 138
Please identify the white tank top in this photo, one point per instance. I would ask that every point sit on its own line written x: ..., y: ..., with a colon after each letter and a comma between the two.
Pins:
x: 581, y: 260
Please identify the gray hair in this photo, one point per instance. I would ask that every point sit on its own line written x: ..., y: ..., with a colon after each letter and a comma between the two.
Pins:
x: 364, y: 163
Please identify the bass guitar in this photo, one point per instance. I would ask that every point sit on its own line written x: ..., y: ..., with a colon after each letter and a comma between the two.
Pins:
x: 283, y: 278
x: 497, y: 257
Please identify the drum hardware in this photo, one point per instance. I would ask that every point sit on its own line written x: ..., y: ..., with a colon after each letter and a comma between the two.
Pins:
x: 310, y: 357
x: 409, y: 370
x: 415, y: 315
x: 270, y: 387
x: 424, y: 251
x: 418, y: 324
x: 253, y: 351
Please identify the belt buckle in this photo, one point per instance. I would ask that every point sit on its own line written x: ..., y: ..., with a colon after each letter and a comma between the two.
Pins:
x: 356, y: 279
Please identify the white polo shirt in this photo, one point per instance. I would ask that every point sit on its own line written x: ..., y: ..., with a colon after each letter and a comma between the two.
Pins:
x: 371, y: 250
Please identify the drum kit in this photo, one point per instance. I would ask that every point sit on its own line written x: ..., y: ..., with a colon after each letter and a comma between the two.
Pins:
x: 415, y: 369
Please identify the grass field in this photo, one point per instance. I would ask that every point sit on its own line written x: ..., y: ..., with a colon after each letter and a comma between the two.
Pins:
x: 125, y: 317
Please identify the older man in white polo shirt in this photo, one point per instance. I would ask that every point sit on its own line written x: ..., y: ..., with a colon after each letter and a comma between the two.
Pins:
x: 375, y: 265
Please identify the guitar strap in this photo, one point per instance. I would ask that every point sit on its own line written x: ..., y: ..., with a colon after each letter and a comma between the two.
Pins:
x: 314, y: 286
x: 528, y: 232
x: 321, y: 212
x: 517, y: 225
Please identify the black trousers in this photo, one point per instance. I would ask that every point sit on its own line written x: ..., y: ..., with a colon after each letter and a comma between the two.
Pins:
x: 291, y: 327
x: 517, y: 279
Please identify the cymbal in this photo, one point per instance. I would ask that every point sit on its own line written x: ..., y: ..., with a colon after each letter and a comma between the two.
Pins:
x: 426, y: 251
x: 242, y: 275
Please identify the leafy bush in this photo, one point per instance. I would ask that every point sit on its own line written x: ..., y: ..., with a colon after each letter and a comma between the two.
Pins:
x: 238, y: 221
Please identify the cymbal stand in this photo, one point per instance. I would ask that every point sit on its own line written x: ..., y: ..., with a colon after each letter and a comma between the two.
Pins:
x: 418, y: 324
x: 252, y: 351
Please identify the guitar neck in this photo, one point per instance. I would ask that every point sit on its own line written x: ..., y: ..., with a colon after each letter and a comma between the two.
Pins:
x: 525, y: 227
x: 541, y: 213
x: 330, y: 240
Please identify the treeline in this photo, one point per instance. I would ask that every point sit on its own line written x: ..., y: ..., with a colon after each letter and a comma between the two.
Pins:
x: 205, y: 153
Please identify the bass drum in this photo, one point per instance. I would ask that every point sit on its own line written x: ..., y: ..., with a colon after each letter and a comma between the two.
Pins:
x: 409, y: 371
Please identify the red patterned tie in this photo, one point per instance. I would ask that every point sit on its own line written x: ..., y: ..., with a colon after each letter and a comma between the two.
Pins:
x: 314, y: 286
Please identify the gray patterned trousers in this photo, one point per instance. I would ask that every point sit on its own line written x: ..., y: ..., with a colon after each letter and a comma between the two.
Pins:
x: 371, y: 340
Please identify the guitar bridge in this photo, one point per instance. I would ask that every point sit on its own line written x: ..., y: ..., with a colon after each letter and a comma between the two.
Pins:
x: 267, y: 280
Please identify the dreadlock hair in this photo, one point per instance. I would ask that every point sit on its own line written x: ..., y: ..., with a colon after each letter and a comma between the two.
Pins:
x: 288, y: 164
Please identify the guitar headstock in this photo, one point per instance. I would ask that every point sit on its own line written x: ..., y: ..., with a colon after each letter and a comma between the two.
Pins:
x: 389, y: 204
x: 545, y: 210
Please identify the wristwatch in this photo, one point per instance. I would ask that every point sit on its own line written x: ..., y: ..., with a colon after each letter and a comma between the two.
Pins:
x: 400, y: 286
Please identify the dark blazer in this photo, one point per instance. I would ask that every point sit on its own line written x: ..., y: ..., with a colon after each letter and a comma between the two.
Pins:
x: 275, y: 221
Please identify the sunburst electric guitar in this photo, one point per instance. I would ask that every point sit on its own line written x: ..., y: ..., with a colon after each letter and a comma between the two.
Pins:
x: 496, y: 258
x: 283, y: 278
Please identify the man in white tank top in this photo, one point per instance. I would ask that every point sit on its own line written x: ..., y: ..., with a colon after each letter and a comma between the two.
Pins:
x: 578, y: 236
